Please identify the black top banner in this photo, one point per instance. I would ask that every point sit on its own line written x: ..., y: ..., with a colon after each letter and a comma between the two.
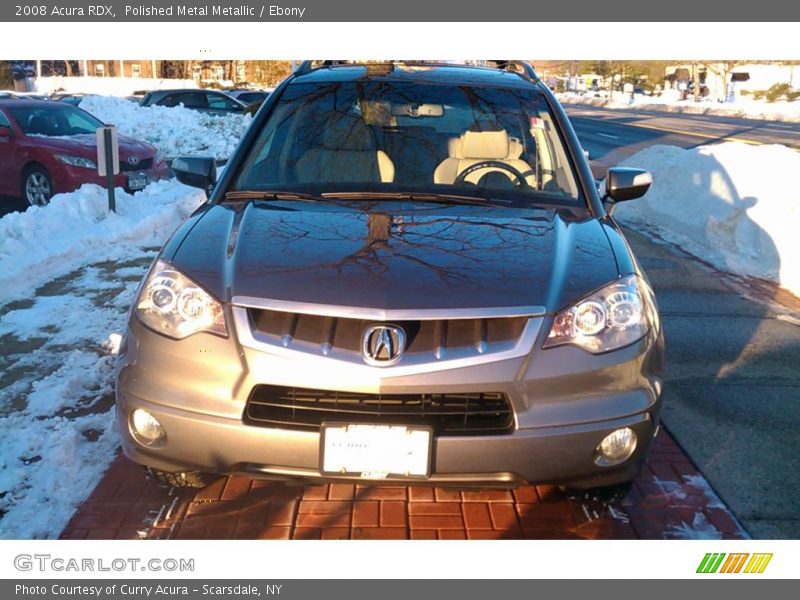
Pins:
x: 406, y: 11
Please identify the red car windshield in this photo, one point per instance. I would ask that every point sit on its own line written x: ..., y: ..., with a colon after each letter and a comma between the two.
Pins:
x: 54, y: 120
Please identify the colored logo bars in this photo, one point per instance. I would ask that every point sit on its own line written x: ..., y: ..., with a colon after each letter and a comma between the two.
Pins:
x: 734, y: 563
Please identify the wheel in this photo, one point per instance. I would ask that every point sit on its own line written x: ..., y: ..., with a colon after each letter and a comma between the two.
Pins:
x: 511, y: 172
x: 180, y: 479
x: 37, y: 187
x: 610, y: 494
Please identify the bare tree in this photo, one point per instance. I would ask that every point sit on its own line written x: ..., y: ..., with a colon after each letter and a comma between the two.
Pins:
x: 722, y: 69
x: 270, y: 72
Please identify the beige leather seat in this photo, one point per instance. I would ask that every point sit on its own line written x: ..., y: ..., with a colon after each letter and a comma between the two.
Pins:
x: 348, y: 154
x: 477, y: 146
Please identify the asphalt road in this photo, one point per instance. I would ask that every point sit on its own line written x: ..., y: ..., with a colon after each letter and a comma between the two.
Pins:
x: 732, y: 395
x: 732, y: 390
x: 611, y: 135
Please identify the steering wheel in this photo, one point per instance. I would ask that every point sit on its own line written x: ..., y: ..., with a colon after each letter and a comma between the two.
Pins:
x: 519, y: 177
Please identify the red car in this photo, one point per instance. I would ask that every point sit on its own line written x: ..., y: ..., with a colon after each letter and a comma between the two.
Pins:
x: 50, y: 147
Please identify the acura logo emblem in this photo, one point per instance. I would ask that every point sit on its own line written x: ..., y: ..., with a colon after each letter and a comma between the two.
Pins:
x: 133, y: 160
x: 383, y: 345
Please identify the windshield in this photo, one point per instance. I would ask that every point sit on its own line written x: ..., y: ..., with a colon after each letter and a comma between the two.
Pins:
x: 55, y: 120
x: 404, y: 137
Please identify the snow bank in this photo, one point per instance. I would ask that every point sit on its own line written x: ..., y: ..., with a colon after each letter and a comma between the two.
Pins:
x: 733, y: 205
x: 43, y: 243
x: 176, y: 131
x: 57, y: 417
x: 57, y: 432
x: 746, y: 108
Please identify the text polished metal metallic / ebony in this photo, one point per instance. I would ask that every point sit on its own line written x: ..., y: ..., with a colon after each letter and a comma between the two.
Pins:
x: 404, y: 275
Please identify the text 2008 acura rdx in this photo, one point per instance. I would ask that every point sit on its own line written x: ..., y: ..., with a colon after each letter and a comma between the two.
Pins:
x: 405, y: 274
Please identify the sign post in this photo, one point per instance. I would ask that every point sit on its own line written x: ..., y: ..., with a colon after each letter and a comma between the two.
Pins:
x: 108, y: 160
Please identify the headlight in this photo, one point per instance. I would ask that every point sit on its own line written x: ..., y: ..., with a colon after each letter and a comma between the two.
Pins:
x: 615, y: 316
x: 75, y: 161
x: 172, y: 304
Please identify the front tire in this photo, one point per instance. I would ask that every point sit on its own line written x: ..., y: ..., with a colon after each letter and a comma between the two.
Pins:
x: 610, y: 494
x: 37, y: 187
x: 180, y: 479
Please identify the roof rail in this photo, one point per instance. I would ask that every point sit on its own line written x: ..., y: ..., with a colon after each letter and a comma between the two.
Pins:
x: 520, y: 67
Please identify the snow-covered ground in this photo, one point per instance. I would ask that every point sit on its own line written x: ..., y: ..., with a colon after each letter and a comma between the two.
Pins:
x: 734, y: 205
x: 68, y: 273
x: 743, y: 107
x: 176, y: 131
x: 43, y: 243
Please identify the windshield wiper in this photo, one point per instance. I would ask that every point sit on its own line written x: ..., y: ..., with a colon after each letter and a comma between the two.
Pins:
x: 413, y: 196
x: 271, y: 195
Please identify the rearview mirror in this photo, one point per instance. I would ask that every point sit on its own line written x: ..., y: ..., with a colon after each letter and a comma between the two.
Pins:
x: 412, y: 109
x: 623, y: 183
x: 199, y: 172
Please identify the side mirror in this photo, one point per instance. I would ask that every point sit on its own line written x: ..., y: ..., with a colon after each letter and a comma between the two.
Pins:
x: 626, y: 184
x: 199, y: 172
x: 6, y: 132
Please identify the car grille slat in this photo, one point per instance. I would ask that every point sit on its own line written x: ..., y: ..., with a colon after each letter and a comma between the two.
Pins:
x: 434, y: 338
x: 487, y: 413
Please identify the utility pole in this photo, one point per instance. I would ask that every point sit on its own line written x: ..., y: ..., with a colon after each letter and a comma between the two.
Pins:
x: 611, y: 74
x: 576, y: 75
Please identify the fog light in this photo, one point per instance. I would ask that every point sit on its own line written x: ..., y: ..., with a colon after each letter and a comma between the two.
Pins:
x: 616, y: 447
x: 146, y: 428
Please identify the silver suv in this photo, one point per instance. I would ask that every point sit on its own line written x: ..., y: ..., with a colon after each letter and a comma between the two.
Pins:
x: 406, y: 275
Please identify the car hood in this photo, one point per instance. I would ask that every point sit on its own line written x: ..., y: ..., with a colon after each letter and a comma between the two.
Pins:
x: 396, y: 256
x: 85, y: 145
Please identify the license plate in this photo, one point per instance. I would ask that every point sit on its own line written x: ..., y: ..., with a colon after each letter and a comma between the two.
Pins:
x: 376, y: 451
x: 137, y: 182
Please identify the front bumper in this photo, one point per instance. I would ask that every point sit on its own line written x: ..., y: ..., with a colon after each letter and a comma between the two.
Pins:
x: 565, y: 401
x: 68, y: 179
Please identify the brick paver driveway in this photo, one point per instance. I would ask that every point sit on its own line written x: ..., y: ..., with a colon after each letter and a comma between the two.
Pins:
x: 669, y: 500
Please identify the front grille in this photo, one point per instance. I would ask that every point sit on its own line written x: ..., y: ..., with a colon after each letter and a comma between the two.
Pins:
x: 450, y: 414
x: 297, y: 330
x: 143, y: 165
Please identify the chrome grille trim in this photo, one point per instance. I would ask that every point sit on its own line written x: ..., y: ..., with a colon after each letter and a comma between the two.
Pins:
x: 351, y: 366
x: 380, y: 314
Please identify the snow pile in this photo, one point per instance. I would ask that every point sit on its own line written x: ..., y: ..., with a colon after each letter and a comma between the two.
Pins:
x: 746, y: 108
x: 43, y: 243
x: 57, y: 417
x: 734, y: 205
x: 57, y: 432
x: 176, y: 131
